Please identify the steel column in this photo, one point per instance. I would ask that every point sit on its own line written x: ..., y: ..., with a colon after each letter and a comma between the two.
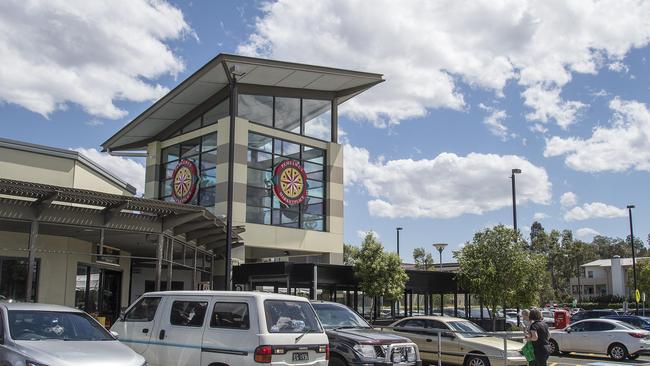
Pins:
x: 159, y: 255
x: 31, y: 260
x: 231, y: 177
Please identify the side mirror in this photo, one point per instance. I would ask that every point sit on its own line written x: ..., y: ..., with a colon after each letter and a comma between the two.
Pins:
x: 567, y: 329
x: 115, y: 334
x: 448, y: 335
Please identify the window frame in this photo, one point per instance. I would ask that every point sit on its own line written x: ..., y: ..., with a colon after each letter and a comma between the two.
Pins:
x: 248, y: 315
x: 175, y: 301
x: 130, y: 310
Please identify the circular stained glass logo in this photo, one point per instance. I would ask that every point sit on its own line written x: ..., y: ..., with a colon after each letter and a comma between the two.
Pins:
x: 184, y: 179
x: 290, y: 182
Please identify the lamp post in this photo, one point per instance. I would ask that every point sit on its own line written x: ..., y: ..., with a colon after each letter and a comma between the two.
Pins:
x: 398, y: 229
x: 514, y: 199
x: 440, y: 247
x: 629, y: 210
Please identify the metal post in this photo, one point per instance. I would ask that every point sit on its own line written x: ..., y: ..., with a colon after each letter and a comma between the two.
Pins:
x: 101, y: 241
x: 195, y: 283
x: 315, y: 297
x: 231, y: 177
x: 159, y: 255
x: 439, y: 347
x: 629, y: 208
x: 514, y: 199
x: 335, y: 121
x: 505, y: 349
x: 31, y: 261
x: 456, y: 304
x: 170, y: 261
x: 211, y: 272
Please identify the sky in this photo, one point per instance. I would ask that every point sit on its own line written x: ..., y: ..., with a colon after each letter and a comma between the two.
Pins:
x: 556, y: 88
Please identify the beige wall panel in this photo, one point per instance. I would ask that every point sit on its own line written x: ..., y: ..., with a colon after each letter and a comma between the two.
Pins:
x: 267, y: 236
x: 85, y: 178
x: 335, y: 191
x: 335, y: 225
x: 37, y: 168
x: 335, y: 154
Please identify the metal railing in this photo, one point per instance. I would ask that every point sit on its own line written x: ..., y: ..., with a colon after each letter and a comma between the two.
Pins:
x: 455, y: 334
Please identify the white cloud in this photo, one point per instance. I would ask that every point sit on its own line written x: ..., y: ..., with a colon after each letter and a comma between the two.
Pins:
x: 89, y: 53
x: 586, y: 233
x: 128, y: 170
x: 568, y: 199
x: 427, y: 49
x: 362, y: 234
x: 618, y: 66
x: 444, y: 187
x: 94, y: 123
x: 623, y: 145
x: 494, y: 121
x: 594, y: 210
x: 539, y: 216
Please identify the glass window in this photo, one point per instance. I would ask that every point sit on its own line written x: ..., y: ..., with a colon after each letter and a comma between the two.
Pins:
x: 28, y: 325
x: 260, y: 142
x: 260, y: 160
x: 258, y: 215
x: 190, y: 147
x: 188, y: 313
x: 256, y: 108
x: 194, y: 125
x: 217, y: 112
x: 209, y: 142
x: 290, y: 317
x: 144, y: 310
x: 288, y: 149
x: 13, y: 277
x: 287, y: 114
x: 334, y: 316
x: 170, y: 154
x: 412, y: 323
x: 230, y: 315
x: 317, y: 118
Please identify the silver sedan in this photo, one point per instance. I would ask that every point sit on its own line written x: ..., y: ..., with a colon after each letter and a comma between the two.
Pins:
x: 52, y: 335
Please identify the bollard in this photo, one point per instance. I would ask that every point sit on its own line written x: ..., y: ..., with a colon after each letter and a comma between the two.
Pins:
x: 505, y: 348
x: 440, y: 347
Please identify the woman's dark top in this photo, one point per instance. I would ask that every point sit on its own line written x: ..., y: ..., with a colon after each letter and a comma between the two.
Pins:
x: 541, y: 344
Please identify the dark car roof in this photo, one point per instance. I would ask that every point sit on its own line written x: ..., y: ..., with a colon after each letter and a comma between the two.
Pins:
x: 628, y: 317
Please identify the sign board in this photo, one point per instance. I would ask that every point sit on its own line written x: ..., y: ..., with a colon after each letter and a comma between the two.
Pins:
x: 643, y: 297
x: 290, y: 183
x: 184, y: 181
x: 637, y: 295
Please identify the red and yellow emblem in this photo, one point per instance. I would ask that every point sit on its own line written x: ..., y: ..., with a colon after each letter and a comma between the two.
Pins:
x: 184, y: 181
x: 290, y: 182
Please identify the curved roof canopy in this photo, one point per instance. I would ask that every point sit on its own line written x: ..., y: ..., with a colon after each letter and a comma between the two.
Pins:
x: 330, y: 83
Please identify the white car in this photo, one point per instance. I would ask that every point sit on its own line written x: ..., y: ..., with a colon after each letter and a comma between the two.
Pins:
x: 549, y: 317
x: 202, y: 328
x: 602, y: 336
x: 40, y: 334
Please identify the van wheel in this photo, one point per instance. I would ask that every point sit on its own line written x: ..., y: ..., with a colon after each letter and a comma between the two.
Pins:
x: 477, y: 361
x: 337, y: 361
x: 618, y: 352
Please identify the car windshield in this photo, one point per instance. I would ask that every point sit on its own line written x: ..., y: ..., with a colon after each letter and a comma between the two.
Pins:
x: 467, y: 329
x: 337, y: 316
x: 287, y: 316
x: 26, y: 325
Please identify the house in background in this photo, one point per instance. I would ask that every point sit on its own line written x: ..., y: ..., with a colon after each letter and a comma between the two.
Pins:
x: 604, y: 277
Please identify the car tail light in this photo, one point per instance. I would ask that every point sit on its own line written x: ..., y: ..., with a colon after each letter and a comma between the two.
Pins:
x: 638, y: 335
x: 324, y: 349
x: 263, y: 354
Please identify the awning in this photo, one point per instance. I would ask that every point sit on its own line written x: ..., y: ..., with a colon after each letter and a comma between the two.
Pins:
x: 214, y: 76
x: 79, y: 207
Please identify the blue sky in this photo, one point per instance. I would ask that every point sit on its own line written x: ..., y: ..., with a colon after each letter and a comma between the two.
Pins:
x: 558, y: 89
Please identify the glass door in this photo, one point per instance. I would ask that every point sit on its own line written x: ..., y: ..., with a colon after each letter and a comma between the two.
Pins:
x: 98, y: 291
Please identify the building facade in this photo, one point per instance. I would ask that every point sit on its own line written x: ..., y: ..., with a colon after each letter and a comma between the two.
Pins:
x: 258, y: 140
x: 605, y: 277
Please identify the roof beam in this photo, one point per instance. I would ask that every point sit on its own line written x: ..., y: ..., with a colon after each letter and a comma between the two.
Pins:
x: 210, y: 239
x: 186, y: 228
x: 176, y: 220
x: 197, y: 234
x: 111, y: 211
x: 42, y: 203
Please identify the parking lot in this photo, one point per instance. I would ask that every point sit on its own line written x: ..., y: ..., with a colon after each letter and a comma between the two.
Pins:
x: 593, y: 360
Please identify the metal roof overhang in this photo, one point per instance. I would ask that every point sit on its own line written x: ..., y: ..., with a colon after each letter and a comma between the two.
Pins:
x: 214, y: 76
x: 79, y: 207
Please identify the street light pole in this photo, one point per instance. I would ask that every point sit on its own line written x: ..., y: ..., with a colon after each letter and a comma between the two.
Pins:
x: 440, y: 247
x: 398, y: 229
x: 629, y: 209
x: 514, y: 199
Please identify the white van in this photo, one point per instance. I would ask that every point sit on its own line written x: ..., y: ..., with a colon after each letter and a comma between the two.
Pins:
x: 218, y: 328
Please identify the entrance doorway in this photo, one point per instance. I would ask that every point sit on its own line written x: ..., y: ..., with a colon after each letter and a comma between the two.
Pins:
x: 98, y: 292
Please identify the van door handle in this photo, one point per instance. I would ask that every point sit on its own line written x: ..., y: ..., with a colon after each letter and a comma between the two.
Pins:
x: 162, y: 334
x: 429, y: 340
x: 145, y: 331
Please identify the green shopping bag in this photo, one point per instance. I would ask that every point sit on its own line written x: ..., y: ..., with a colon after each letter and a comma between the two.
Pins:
x: 528, y: 351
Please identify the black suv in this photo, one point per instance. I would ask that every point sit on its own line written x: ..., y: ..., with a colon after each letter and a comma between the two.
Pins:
x: 353, y: 342
x: 592, y: 314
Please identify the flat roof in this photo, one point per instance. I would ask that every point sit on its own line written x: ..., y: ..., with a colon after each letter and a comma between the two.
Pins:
x: 214, y: 76
x: 66, y: 154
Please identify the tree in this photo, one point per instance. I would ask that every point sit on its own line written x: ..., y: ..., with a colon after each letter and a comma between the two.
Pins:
x: 423, y: 260
x: 349, y: 252
x: 643, y: 276
x: 500, y: 270
x: 380, y: 274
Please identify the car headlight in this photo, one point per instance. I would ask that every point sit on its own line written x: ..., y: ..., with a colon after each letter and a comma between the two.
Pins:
x: 513, y: 354
x: 366, y: 350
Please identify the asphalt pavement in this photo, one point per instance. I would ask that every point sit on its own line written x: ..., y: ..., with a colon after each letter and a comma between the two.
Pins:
x: 593, y: 360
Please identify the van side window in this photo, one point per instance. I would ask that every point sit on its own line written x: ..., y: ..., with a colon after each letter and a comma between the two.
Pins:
x: 143, y: 311
x: 188, y: 313
x: 230, y: 315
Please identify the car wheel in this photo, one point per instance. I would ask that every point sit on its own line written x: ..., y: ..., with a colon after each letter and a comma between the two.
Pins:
x: 337, y: 361
x: 555, y: 349
x: 618, y: 352
x: 477, y: 361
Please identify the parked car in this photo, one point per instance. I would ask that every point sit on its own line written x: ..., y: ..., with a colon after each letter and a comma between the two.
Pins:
x: 223, y: 328
x: 463, y: 342
x: 354, y: 342
x: 637, y: 321
x: 592, y: 314
x: 602, y: 336
x: 549, y: 317
x: 39, y: 334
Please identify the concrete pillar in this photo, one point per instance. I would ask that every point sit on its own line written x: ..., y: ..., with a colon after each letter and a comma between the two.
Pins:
x: 31, y: 260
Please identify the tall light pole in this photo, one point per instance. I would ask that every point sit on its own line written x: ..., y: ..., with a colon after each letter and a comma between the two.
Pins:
x: 440, y: 247
x: 629, y: 210
x: 398, y: 229
x: 514, y: 199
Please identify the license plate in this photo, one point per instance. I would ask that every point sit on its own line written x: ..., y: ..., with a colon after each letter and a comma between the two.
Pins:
x: 300, y: 356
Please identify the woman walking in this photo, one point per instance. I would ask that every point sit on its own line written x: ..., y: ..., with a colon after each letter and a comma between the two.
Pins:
x: 538, y: 334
